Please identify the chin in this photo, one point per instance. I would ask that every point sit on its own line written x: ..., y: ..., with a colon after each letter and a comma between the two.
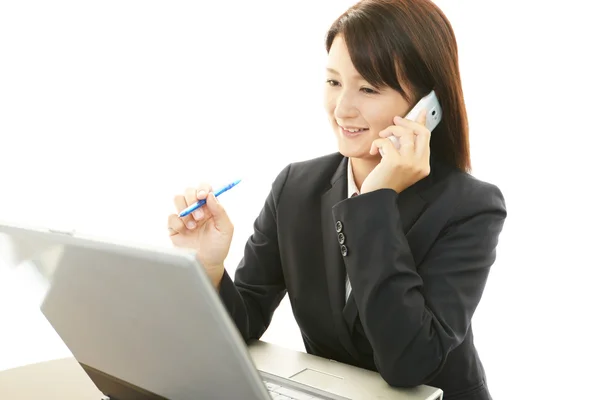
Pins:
x: 354, y: 152
x: 355, y: 149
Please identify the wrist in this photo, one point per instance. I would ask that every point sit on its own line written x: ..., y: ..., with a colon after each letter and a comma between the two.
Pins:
x: 214, y: 272
x: 218, y: 277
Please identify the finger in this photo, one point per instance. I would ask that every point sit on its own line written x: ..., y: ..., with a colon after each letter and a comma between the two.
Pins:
x: 387, y: 132
x: 422, y: 141
x: 395, y: 131
x: 201, y: 193
x: 191, y: 197
x: 220, y: 217
x: 414, y: 126
x: 402, y: 136
x: 422, y: 117
x: 175, y: 225
x: 181, y: 204
x: 385, y: 145
x: 407, y: 145
x: 423, y: 136
x: 203, y: 189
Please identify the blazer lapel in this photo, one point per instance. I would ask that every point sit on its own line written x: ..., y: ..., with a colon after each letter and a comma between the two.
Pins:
x: 410, y: 203
x: 410, y: 206
x: 334, y: 264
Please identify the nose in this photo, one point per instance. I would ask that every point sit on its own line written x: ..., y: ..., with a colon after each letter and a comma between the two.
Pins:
x: 345, y: 106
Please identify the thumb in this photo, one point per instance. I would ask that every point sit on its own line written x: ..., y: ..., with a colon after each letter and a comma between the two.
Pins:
x: 219, y: 214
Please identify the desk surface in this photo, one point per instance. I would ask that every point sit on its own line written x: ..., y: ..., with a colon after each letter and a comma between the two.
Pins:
x: 64, y: 379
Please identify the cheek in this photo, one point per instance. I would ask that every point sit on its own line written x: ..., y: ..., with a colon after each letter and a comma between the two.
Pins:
x: 379, y: 116
x: 377, y: 121
x: 329, y: 103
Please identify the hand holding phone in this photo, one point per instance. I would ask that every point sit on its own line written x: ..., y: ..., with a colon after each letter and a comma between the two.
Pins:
x: 432, y: 119
x: 403, y: 166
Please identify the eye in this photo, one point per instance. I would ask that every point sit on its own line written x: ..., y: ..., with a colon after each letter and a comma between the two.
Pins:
x: 369, y: 91
x: 332, y: 82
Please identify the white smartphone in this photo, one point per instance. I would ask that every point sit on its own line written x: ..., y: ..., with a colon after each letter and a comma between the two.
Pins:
x: 434, y: 115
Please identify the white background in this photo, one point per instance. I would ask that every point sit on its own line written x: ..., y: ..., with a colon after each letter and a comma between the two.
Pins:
x: 108, y: 109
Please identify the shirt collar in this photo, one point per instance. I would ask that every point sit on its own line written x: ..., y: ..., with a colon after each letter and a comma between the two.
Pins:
x: 352, y: 188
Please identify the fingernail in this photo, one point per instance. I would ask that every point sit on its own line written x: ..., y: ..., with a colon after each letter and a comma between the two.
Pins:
x: 197, y: 214
x: 201, y: 194
x: 191, y: 225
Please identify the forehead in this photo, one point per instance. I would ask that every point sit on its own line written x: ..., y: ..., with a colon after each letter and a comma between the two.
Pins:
x: 338, y: 50
x: 338, y: 59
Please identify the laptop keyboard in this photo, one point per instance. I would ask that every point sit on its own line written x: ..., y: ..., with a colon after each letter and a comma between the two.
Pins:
x: 279, y: 392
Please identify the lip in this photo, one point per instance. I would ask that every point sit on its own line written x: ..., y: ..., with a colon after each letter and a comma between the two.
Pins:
x: 349, y: 134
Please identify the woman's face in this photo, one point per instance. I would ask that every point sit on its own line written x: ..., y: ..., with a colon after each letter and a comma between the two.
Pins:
x: 356, y: 110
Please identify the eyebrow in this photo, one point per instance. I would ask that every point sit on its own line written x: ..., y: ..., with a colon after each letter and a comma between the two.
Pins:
x: 355, y: 76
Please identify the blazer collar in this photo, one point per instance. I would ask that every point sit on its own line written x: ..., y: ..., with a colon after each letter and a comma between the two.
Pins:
x: 341, y: 171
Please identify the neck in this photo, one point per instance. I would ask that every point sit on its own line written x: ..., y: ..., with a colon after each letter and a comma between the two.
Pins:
x: 361, y: 168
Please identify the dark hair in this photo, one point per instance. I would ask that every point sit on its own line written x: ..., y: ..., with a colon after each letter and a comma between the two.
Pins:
x: 410, y: 41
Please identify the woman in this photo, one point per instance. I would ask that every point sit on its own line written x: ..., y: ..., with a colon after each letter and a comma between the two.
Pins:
x: 384, y: 258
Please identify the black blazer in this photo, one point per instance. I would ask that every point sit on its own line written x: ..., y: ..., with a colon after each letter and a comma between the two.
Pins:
x: 417, y: 261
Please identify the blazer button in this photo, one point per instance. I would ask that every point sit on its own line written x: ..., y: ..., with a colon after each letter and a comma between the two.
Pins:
x: 338, y: 226
x: 344, y: 250
x: 341, y: 238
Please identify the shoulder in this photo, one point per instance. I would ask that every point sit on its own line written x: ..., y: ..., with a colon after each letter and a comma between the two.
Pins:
x: 464, y: 194
x: 308, y: 175
x: 315, y: 169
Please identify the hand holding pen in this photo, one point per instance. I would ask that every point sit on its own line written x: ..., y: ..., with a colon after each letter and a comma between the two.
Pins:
x: 195, y: 206
x: 202, y: 224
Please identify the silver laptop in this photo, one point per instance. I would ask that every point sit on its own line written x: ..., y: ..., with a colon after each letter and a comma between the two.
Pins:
x: 145, y: 323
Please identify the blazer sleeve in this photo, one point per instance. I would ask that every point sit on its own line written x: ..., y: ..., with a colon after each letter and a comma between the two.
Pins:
x: 258, y: 286
x: 413, y: 316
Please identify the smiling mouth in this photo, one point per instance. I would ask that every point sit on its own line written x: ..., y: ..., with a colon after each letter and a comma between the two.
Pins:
x: 353, y: 131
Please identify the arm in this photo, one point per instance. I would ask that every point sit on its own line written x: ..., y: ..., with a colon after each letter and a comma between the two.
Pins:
x: 258, y: 287
x: 413, y: 317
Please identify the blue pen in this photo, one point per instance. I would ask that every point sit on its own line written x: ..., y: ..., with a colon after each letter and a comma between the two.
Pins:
x: 200, y: 203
